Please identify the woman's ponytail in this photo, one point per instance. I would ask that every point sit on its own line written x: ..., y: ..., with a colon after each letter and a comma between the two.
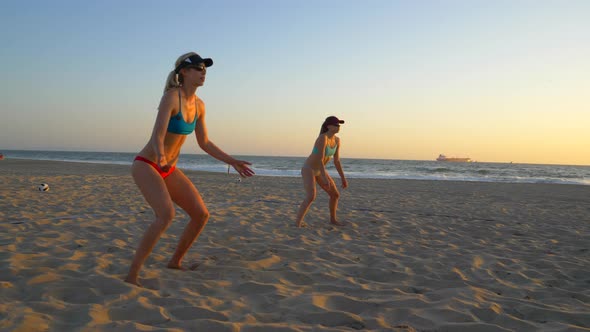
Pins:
x: 174, y: 80
x: 171, y: 81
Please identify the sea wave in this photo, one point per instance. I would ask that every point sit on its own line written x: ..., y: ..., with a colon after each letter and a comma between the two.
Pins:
x: 353, y: 168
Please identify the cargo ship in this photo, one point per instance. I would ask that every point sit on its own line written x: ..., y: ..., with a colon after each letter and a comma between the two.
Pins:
x: 442, y: 157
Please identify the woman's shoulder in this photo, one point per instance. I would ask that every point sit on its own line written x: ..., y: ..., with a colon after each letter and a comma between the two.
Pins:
x: 170, y: 99
x: 172, y: 92
x: 322, y: 138
x: 200, y: 101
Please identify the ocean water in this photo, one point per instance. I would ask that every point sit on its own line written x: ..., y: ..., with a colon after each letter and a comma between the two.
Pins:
x: 353, y: 168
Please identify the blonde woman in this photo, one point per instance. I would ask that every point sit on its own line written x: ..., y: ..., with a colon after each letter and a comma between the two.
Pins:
x: 327, y: 145
x: 180, y: 114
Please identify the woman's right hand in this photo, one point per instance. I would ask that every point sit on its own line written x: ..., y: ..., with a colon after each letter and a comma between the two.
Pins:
x: 242, y: 168
x: 163, y: 163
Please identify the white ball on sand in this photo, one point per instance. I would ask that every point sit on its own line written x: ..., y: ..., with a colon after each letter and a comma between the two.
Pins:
x: 238, y: 180
x: 43, y: 187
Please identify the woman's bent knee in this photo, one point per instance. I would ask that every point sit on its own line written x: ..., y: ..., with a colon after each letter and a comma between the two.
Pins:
x: 335, y: 194
x: 200, y: 218
x: 166, y: 215
x: 204, y: 215
x: 162, y: 224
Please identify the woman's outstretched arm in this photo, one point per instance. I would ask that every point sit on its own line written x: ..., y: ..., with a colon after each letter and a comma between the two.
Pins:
x: 214, y: 151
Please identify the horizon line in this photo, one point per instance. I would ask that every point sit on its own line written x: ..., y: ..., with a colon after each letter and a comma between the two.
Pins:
x: 303, y: 156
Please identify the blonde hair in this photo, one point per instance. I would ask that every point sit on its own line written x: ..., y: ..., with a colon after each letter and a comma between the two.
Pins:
x: 175, y: 80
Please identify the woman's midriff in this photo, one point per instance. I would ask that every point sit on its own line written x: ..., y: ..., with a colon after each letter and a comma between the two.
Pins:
x: 172, y: 145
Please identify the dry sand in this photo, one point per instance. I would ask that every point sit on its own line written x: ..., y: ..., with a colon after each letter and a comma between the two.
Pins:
x: 415, y: 256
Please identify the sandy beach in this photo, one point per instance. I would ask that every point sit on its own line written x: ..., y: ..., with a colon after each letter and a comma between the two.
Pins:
x: 414, y: 256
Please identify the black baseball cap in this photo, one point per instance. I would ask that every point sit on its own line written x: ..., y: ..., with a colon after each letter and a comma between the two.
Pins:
x: 332, y: 120
x: 193, y: 60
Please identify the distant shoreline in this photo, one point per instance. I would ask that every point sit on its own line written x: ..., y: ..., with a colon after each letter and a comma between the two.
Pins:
x: 78, y: 167
x: 304, y: 156
x: 354, y: 168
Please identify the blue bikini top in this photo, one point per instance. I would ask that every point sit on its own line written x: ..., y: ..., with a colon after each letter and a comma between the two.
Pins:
x: 177, y: 125
x: 329, y: 151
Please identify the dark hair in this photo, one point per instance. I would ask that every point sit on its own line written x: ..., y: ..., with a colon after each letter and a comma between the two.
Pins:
x: 331, y: 120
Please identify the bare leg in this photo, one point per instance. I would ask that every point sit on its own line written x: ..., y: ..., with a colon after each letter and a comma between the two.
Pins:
x: 334, y: 194
x: 309, y: 186
x: 184, y: 193
x: 154, y: 190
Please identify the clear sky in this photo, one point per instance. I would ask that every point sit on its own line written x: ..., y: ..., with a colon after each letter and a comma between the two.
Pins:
x: 491, y: 80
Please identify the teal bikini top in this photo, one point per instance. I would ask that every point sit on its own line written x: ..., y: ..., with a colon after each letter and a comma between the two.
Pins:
x: 177, y: 125
x: 329, y: 151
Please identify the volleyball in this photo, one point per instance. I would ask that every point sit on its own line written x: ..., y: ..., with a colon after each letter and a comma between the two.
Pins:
x: 43, y: 187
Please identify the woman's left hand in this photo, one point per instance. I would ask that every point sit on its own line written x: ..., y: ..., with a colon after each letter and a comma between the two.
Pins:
x: 344, y: 184
x: 242, y: 168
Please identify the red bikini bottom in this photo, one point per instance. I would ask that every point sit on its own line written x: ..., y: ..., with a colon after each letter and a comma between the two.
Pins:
x: 156, y: 167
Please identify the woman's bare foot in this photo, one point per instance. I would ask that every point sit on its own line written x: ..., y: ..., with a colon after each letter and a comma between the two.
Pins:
x: 336, y: 223
x: 301, y: 224
x: 133, y: 281
x: 176, y: 266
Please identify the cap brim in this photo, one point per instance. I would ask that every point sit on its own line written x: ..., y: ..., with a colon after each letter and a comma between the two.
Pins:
x: 208, y: 62
x: 334, y: 123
